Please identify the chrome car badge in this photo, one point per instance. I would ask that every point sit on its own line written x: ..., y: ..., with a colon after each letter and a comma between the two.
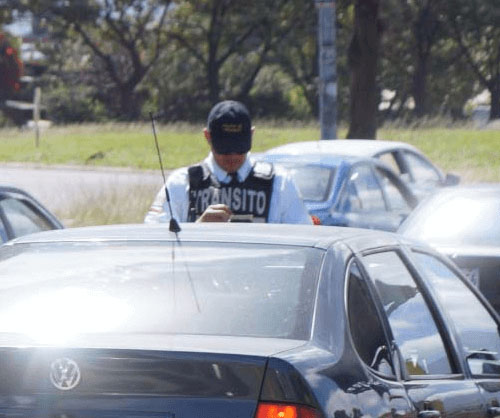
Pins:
x: 64, y: 374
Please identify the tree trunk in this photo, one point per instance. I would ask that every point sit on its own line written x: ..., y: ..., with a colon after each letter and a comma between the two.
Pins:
x: 420, y: 85
x: 495, y: 100
x: 130, y: 104
x: 363, y: 57
x: 213, y: 75
x: 424, y: 30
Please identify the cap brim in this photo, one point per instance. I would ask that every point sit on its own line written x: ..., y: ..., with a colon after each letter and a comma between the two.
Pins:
x: 231, y: 145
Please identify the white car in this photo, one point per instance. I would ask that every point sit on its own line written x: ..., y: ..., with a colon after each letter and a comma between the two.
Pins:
x: 413, y: 167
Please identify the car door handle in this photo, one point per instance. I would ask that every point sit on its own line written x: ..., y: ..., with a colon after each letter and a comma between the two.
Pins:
x: 429, y: 413
x: 494, y: 411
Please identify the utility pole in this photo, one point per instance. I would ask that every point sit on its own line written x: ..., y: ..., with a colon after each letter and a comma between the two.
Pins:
x: 327, y: 68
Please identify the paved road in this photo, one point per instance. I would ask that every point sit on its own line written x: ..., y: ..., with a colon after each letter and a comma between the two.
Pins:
x: 57, y: 188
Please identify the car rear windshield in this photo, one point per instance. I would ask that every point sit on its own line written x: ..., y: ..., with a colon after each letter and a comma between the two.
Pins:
x: 458, y: 220
x: 187, y: 288
x: 314, y: 182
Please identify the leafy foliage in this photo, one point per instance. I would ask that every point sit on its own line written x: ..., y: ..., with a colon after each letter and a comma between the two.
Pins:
x: 122, y: 38
x: 120, y: 59
x: 474, y: 26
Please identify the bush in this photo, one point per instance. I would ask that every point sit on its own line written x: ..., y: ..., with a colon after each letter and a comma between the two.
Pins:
x: 73, y: 104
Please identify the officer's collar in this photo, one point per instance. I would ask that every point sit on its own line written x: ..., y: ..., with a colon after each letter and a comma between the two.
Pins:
x: 222, y: 175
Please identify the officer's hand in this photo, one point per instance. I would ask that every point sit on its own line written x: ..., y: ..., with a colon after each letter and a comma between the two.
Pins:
x: 216, y: 213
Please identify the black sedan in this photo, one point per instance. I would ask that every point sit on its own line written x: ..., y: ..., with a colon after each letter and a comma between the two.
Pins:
x: 21, y: 214
x: 241, y: 320
x: 463, y: 222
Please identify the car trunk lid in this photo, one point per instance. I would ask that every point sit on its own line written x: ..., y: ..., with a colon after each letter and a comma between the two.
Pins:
x: 193, y: 381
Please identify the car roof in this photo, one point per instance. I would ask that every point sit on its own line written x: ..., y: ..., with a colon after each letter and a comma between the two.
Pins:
x: 468, y: 189
x: 280, y: 234
x: 313, y: 158
x: 358, y: 147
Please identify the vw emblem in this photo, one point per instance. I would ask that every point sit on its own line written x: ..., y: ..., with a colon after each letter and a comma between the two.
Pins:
x: 64, y: 374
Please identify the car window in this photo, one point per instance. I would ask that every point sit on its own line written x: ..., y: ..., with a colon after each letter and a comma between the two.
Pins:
x: 313, y: 182
x: 393, y: 194
x: 411, y: 321
x: 3, y: 232
x: 477, y: 330
x: 364, y: 191
x: 422, y: 171
x: 208, y: 288
x: 22, y: 218
x: 366, y: 329
x: 389, y: 159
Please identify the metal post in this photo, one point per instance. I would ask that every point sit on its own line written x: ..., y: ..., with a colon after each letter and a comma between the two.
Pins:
x: 327, y: 69
x: 36, y: 114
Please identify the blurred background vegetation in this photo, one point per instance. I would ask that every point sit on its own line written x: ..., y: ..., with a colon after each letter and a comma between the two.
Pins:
x: 118, y: 60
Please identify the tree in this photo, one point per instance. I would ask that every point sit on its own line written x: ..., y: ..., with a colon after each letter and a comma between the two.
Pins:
x: 420, y: 66
x: 230, y: 40
x: 298, y: 55
x: 124, y: 39
x: 425, y: 25
x: 474, y: 25
x: 363, y: 59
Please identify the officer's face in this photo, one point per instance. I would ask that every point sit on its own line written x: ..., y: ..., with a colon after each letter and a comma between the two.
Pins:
x: 229, y: 162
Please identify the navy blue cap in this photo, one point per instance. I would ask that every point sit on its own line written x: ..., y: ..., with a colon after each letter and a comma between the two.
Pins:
x: 230, y: 128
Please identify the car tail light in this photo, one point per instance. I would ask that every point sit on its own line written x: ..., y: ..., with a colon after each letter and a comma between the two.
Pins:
x: 316, y: 220
x: 279, y: 410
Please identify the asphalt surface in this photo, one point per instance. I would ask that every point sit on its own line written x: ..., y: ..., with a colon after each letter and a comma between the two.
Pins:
x: 57, y: 187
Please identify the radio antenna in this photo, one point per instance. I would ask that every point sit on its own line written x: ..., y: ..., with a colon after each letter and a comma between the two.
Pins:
x: 174, y: 225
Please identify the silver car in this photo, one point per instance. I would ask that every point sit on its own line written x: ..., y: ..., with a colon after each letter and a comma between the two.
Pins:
x: 463, y: 222
x: 243, y: 321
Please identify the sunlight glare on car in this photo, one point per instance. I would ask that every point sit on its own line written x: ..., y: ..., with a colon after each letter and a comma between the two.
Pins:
x: 53, y: 318
x: 452, y: 223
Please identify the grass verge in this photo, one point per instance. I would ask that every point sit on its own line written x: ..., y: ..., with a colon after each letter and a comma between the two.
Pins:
x: 473, y: 154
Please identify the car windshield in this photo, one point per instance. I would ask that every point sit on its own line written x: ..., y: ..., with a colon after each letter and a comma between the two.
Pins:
x: 193, y: 288
x: 313, y: 181
x: 458, y: 220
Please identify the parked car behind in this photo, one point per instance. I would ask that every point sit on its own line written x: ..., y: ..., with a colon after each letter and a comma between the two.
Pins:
x: 241, y: 320
x: 409, y: 163
x: 346, y: 190
x: 21, y: 214
x: 464, y: 223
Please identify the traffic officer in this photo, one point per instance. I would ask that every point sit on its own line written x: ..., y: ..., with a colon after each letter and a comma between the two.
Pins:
x: 227, y: 185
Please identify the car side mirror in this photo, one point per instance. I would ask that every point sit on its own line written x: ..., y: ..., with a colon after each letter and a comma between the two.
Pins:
x: 451, y: 179
x: 483, y: 362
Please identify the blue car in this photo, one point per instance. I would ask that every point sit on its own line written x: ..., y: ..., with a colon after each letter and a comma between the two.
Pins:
x: 347, y: 190
x: 419, y: 173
